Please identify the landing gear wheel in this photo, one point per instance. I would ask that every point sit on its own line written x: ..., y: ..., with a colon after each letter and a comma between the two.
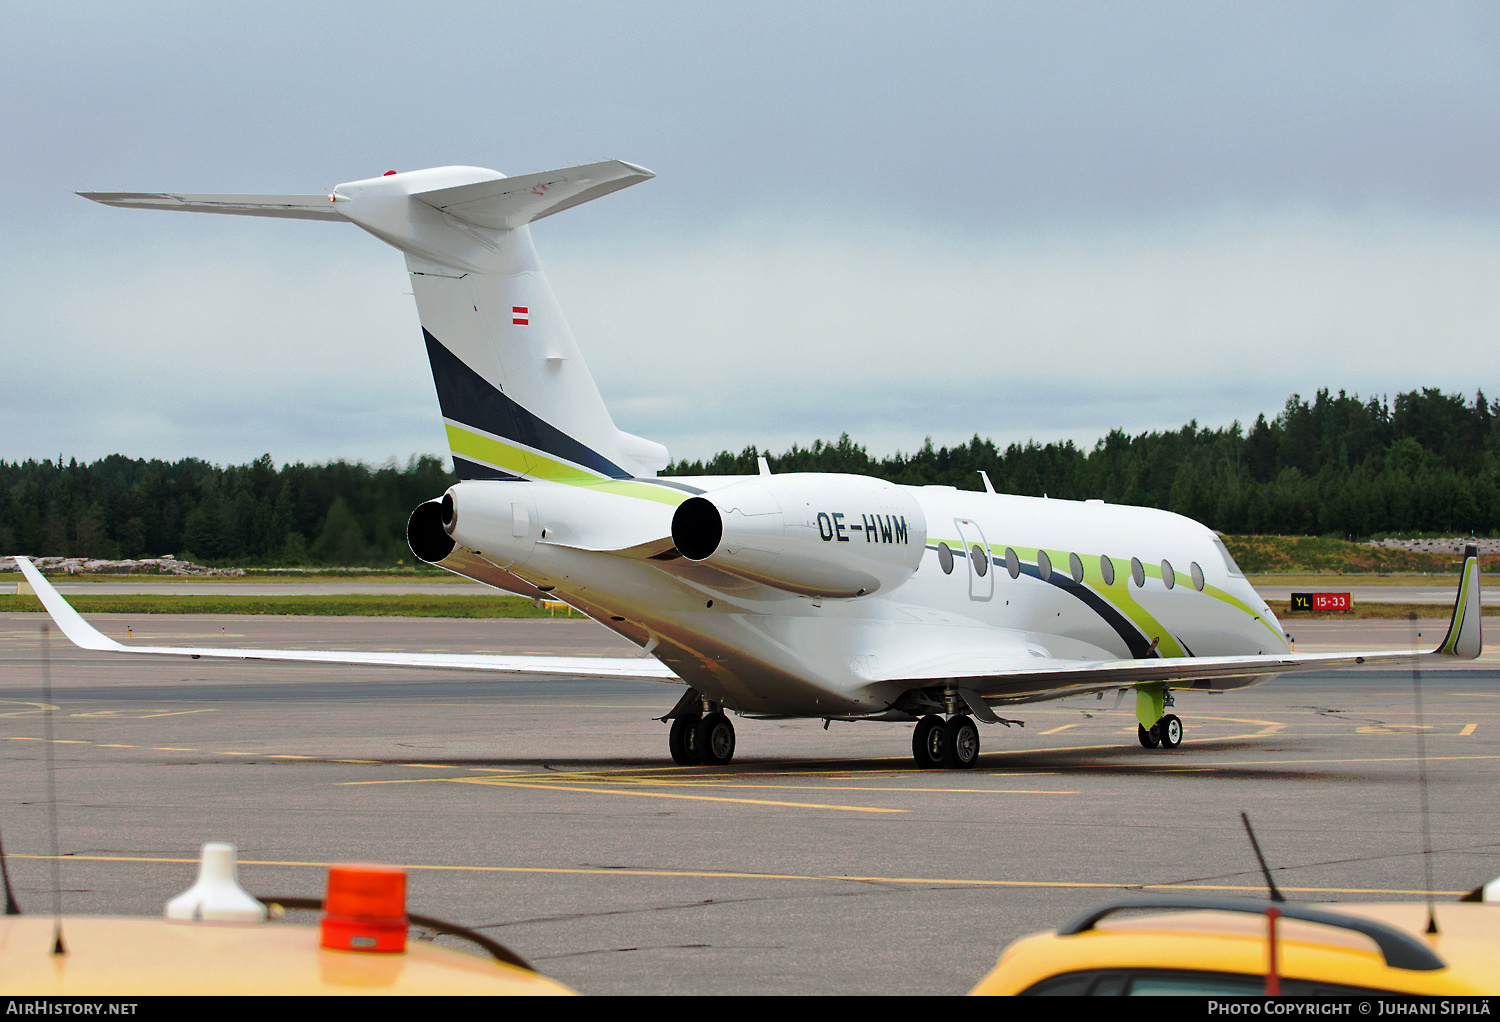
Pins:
x: 1169, y: 730
x: 960, y: 743
x: 1148, y: 738
x: 715, y: 744
x: 927, y: 742
x: 683, y: 740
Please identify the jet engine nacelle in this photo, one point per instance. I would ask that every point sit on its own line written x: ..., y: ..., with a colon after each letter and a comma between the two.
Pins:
x: 513, y: 523
x: 815, y: 534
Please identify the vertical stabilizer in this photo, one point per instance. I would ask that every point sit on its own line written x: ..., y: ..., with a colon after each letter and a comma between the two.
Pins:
x: 516, y: 397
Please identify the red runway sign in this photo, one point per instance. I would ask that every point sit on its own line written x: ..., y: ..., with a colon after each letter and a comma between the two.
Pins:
x: 1322, y: 601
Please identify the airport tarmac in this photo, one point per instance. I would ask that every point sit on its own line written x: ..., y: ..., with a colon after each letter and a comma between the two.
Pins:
x: 548, y: 813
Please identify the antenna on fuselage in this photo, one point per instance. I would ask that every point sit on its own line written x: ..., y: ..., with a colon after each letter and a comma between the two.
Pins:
x: 1265, y: 870
x: 989, y: 487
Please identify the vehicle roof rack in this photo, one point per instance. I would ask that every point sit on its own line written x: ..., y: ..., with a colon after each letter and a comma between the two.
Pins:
x: 1402, y: 950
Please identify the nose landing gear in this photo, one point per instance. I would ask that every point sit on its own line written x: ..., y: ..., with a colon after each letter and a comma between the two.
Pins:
x: 1166, y: 732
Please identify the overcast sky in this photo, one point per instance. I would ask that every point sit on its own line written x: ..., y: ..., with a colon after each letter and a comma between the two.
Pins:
x: 1033, y: 220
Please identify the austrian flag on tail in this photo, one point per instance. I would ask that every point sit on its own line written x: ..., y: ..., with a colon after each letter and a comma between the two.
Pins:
x: 519, y: 316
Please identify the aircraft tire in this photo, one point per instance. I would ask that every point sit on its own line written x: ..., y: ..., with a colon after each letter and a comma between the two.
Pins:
x: 1149, y: 739
x: 1169, y: 730
x: 683, y: 740
x: 927, y: 742
x: 715, y: 740
x: 960, y: 743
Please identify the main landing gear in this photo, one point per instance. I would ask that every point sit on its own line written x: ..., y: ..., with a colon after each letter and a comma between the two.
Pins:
x: 701, y: 736
x: 945, y: 743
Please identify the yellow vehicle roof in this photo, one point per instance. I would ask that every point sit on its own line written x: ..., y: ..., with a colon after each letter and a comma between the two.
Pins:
x: 128, y: 957
x: 1468, y: 943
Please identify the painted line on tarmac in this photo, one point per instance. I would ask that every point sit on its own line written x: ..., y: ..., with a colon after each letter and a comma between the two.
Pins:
x: 733, y: 875
x: 513, y: 782
x: 850, y: 787
x: 508, y: 783
x: 1284, y: 762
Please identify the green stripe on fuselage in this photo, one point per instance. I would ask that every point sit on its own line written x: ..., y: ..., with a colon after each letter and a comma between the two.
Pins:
x: 1118, y: 594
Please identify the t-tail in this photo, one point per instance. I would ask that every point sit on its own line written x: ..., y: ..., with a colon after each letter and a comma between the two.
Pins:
x: 516, y: 398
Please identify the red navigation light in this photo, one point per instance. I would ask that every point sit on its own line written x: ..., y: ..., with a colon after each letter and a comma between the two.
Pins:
x: 365, y: 909
x: 388, y: 173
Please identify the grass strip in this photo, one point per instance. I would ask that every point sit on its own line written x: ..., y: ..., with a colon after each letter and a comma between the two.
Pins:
x: 1376, y: 611
x: 319, y: 606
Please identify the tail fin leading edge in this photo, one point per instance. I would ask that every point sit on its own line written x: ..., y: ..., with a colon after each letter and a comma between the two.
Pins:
x: 516, y: 397
x: 1465, y: 636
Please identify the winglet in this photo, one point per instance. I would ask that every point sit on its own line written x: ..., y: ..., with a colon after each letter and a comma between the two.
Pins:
x: 78, y: 631
x: 1465, y: 636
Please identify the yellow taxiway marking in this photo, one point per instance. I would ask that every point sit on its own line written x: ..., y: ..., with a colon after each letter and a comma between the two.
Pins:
x: 285, y: 756
x: 1057, y: 729
x: 848, y: 787
x: 116, y: 746
x: 169, y: 748
x: 567, y: 785
x: 509, y: 783
x: 732, y: 875
x: 1468, y: 730
x: 33, y: 708
x: 1283, y: 762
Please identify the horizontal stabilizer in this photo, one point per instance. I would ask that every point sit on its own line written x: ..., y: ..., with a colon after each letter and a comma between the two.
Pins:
x: 286, y: 207
x: 513, y: 201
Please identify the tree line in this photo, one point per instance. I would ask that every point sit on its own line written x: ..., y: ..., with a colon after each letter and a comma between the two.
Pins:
x: 339, y: 513
x: 1338, y: 465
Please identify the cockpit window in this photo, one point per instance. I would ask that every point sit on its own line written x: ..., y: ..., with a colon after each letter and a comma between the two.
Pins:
x: 1234, y: 569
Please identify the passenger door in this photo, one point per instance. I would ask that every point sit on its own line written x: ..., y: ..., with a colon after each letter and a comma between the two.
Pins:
x: 981, y: 570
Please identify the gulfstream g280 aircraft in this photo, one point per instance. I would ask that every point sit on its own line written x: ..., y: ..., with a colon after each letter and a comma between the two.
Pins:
x: 812, y: 595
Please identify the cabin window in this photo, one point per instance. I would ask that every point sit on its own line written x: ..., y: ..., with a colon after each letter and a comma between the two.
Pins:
x: 1107, y: 569
x: 1012, y: 563
x: 1168, y: 576
x: 981, y: 562
x: 1198, y: 582
x: 1043, y: 565
x: 1075, y: 568
x: 945, y: 558
x: 1138, y: 572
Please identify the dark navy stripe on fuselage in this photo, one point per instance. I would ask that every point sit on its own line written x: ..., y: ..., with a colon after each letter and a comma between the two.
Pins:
x: 1139, y: 647
x: 467, y: 398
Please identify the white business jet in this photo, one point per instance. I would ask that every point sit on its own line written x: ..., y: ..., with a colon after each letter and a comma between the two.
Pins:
x: 806, y: 595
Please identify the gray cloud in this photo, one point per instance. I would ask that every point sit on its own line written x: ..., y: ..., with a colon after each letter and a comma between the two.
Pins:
x: 1020, y: 220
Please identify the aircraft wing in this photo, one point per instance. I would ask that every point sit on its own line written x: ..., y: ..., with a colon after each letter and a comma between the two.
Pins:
x: 86, y: 636
x: 1029, y: 677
